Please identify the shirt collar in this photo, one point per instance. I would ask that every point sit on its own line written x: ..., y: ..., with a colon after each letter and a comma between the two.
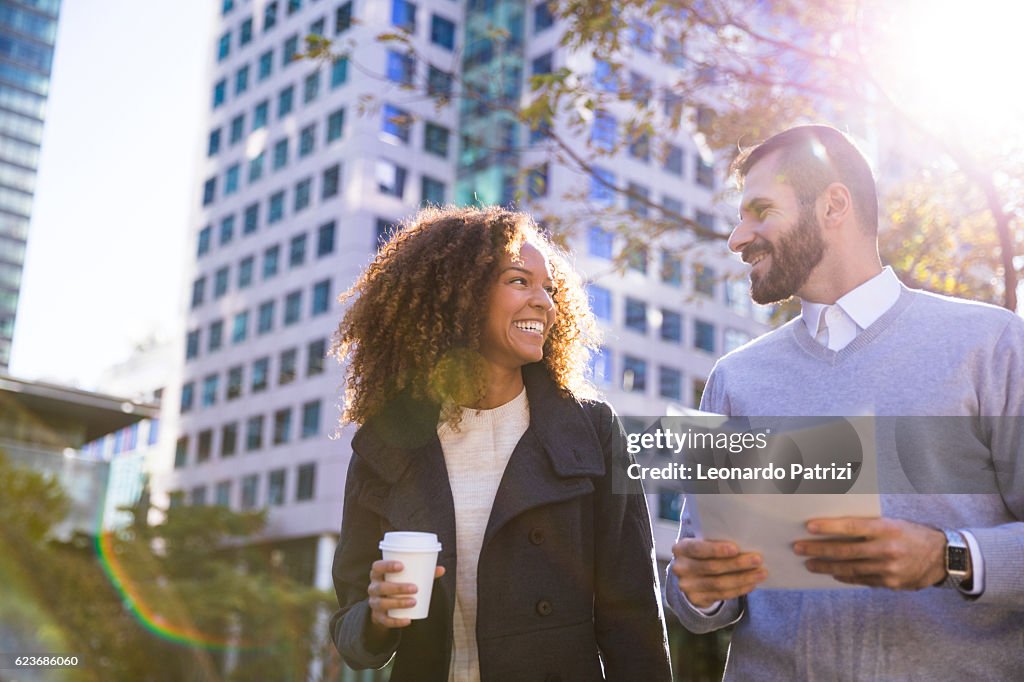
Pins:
x: 864, y: 304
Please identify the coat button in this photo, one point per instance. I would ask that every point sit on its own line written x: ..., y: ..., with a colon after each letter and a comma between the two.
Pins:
x: 537, y: 536
x: 544, y: 607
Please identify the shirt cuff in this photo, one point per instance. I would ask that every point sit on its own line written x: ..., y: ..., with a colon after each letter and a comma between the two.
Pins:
x: 706, y: 611
x: 977, y: 566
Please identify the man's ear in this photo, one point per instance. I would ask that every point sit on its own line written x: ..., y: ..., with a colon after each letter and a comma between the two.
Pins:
x: 837, y: 205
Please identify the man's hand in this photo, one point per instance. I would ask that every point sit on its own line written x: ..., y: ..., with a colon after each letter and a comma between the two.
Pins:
x: 890, y: 553
x: 711, y: 571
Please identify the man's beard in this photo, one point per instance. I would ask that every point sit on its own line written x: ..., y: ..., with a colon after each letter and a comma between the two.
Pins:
x: 793, y: 258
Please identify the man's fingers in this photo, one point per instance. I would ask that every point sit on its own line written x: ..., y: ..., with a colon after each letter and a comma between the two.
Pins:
x: 848, y: 526
x: 438, y: 572
x: 704, y: 549
x: 839, y: 550
x: 705, y: 591
x: 380, y: 588
x: 743, y: 562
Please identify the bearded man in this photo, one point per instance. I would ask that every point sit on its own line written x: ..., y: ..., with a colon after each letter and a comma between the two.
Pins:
x: 945, y: 569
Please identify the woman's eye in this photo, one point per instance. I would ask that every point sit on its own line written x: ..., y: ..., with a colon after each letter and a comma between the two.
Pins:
x: 518, y: 280
x: 551, y: 289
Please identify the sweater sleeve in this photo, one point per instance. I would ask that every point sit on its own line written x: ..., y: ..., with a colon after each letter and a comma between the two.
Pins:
x: 628, y: 620
x: 356, y: 551
x: 1002, y: 547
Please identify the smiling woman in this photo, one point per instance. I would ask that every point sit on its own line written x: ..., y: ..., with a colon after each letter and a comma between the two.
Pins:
x: 466, y: 344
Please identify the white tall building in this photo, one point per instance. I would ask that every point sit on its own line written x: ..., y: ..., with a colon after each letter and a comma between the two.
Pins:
x: 306, y: 165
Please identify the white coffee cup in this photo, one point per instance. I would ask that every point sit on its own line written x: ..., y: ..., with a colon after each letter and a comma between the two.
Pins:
x: 418, y: 554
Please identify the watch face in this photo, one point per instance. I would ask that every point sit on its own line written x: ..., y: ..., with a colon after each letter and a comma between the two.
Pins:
x: 956, y: 558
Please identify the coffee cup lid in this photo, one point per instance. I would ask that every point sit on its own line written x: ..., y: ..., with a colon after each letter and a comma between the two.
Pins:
x: 409, y: 541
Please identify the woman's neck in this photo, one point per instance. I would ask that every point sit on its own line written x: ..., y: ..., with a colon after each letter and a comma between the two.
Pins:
x: 503, y: 385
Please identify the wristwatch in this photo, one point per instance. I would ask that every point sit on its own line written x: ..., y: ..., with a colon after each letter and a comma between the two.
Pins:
x: 958, y: 558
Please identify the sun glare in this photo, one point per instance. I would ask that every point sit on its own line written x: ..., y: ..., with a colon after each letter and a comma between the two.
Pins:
x: 955, y: 64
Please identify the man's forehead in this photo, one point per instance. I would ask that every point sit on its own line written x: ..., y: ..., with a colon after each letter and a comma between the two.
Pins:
x: 765, y: 178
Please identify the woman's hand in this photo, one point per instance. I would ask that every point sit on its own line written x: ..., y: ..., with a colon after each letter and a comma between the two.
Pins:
x: 386, y: 595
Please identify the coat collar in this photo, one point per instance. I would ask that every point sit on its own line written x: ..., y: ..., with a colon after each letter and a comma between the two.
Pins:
x: 390, y: 442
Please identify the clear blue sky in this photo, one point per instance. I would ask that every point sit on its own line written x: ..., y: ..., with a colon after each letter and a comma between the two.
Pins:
x: 107, y: 246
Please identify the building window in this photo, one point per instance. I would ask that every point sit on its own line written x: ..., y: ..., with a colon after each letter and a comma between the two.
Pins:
x: 671, y: 209
x: 198, y: 291
x: 192, y: 344
x: 266, y: 65
x: 600, y: 242
x: 542, y: 17
x: 671, y: 269
x: 325, y: 239
x: 292, y: 307
x: 704, y: 279
x: 245, y: 32
x: 640, y: 88
x: 285, y: 101
x: 315, y: 353
x: 265, y: 318
x: 203, y: 245
x: 603, y: 131
x: 260, y: 374
x: 636, y: 259
x: 442, y: 32
x: 634, y: 374
x: 181, y: 452
x: 204, y: 446
x: 601, y: 366
x: 401, y: 68
x: 222, y: 494
x: 641, y: 36
x: 396, y: 124
x: 187, y: 396
x: 270, y: 261
x: 231, y: 178
x: 210, y: 385
x: 215, y: 336
x: 242, y: 80
x: 435, y: 139
x: 600, y: 302
x: 275, y: 208
x: 220, y: 91
x: 636, y: 315
x: 270, y: 15
x: 294, y: 6
x: 439, y: 83
x: 432, y: 191
x: 384, y: 230
x: 670, y: 505
x: 343, y: 18
x: 306, y: 482
x: 321, y: 297
x: 209, y: 191
x: 705, y: 173
x: 637, y: 199
x: 390, y: 178
x: 256, y: 167
x: 736, y: 296
x: 234, y: 388
x: 537, y: 181
x: 704, y: 336
x: 280, y: 154
x: 671, y: 326
x: 303, y: 192
x: 224, y: 47
x: 640, y: 147
x: 229, y: 439
x: 543, y: 64
x: 311, y: 87
x: 275, y: 488
x: 698, y: 391
x: 331, y: 181
x: 670, y: 383
x: 291, y: 48
x: 252, y: 219
x: 403, y: 15
x: 602, y: 187
x: 335, y: 125
x: 307, y: 140
x: 213, y: 147
x: 240, y: 327
x: 237, y: 129
x: 311, y: 419
x: 226, y: 6
x: 245, y: 268
x: 220, y: 282
x: 227, y: 229
x: 604, y: 77
x: 250, y: 484
x: 260, y: 115
x: 706, y: 220
x: 339, y: 72
x: 282, y: 426
x: 286, y: 366
x: 674, y: 160
x: 297, y: 251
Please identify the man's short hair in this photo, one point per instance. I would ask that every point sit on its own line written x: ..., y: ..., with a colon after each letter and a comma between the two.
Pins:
x: 811, y: 157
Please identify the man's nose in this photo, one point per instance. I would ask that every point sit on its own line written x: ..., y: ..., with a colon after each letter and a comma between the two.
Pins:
x: 741, y: 236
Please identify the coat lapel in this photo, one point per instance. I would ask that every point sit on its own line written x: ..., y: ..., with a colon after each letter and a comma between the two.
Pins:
x: 554, y: 459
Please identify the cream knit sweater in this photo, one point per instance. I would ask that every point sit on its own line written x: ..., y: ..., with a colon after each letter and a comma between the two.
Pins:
x: 476, y: 455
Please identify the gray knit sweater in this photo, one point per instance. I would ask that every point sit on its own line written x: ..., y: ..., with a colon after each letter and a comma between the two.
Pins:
x: 927, y: 356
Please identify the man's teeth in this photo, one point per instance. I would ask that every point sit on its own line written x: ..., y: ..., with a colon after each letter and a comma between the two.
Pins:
x: 758, y: 258
x: 536, y: 327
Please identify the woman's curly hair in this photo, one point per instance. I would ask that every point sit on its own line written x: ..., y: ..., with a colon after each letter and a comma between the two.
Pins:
x: 418, y: 312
